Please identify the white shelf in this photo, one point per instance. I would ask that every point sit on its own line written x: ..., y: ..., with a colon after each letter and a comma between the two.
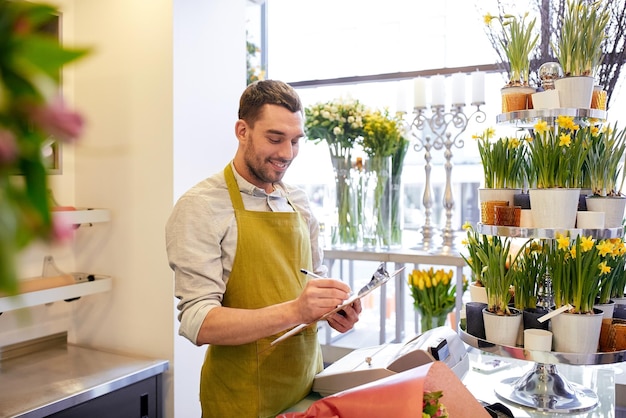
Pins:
x: 41, y: 297
x: 83, y: 216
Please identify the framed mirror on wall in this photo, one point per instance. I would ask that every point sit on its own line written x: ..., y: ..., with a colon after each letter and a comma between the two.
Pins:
x: 52, y: 150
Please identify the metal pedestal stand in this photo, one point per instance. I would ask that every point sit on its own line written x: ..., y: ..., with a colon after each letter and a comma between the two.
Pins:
x: 545, y: 390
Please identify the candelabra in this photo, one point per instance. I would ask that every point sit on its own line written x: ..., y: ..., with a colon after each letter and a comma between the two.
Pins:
x: 440, y: 130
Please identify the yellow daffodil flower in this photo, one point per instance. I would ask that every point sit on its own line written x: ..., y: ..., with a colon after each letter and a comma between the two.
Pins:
x: 604, y: 268
x: 586, y: 244
x: 604, y: 248
x: 541, y: 127
x: 565, y: 140
x: 562, y: 241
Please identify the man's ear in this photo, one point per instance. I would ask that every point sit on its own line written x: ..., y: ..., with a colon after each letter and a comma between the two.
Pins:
x: 241, y: 129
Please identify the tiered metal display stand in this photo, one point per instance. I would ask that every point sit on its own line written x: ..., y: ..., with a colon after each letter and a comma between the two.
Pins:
x: 543, y: 388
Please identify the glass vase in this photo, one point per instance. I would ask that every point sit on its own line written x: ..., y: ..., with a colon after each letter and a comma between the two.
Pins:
x: 345, y: 231
x: 396, y: 211
x: 376, y: 203
x: 428, y: 320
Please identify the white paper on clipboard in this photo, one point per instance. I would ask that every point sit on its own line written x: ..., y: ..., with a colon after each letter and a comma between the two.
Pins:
x: 364, y: 292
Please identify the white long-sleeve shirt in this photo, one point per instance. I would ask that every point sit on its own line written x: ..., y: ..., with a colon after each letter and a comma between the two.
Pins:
x: 201, y: 241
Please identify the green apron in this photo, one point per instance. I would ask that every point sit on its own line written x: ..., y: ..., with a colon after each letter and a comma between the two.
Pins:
x: 256, y: 380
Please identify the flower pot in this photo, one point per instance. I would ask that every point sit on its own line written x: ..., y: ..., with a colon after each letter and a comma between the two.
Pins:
x: 474, y: 319
x: 575, y: 92
x: 490, y: 198
x: 577, y: 333
x: 620, y: 300
x: 598, y: 98
x: 507, y: 195
x: 478, y: 293
x: 507, y: 215
x: 606, y: 308
x: 502, y: 329
x: 530, y: 318
x: 522, y: 200
x: 516, y: 98
x: 613, y: 208
x: 554, y: 208
x: 548, y: 99
x: 589, y: 220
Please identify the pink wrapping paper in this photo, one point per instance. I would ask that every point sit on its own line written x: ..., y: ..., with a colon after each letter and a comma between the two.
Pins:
x: 398, y: 396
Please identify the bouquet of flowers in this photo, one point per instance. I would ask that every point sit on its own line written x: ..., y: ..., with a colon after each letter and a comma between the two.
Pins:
x: 383, y: 141
x: 434, y: 295
x: 431, y: 407
x: 339, y: 123
x: 31, y: 111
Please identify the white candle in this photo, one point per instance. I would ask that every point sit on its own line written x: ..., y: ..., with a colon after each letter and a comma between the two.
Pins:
x: 419, y: 86
x: 478, y: 87
x: 401, y: 99
x: 458, y: 89
x: 438, y: 84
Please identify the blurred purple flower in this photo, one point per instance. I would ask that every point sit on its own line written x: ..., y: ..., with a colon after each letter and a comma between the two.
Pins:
x: 8, y: 147
x: 58, y: 120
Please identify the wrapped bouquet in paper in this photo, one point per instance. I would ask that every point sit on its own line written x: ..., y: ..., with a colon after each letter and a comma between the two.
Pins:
x: 403, y: 395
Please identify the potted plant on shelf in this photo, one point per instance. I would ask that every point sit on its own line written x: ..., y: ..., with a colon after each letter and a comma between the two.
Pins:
x: 518, y: 40
x: 528, y: 274
x: 606, y: 149
x: 339, y: 123
x: 478, y: 293
x: 578, y: 270
x: 555, y: 161
x: 503, y: 171
x: 613, y: 285
x: 579, y: 51
x: 502, y: 322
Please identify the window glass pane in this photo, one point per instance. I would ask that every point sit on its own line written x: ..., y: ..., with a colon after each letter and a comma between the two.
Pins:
x: 329, y: 38
x: 466, y: 173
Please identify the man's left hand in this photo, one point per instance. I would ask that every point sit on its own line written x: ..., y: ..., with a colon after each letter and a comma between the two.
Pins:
x: 345, y: 319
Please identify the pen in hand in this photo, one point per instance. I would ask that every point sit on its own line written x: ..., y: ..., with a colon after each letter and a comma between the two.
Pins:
x: 317, y: 276
x: 310, y: 273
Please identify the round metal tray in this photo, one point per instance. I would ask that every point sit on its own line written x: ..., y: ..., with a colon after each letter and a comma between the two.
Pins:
x: 547, y: 233
x: 545, y: 357
x: 527, y: 118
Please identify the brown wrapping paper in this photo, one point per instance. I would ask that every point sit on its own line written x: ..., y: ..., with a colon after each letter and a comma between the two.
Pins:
x: 398, y: 396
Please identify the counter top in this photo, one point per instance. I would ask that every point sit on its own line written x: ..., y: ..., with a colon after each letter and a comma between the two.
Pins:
x: 57, y: 378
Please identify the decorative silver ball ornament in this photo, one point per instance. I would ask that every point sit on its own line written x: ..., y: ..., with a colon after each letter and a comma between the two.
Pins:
x: 548, y: 72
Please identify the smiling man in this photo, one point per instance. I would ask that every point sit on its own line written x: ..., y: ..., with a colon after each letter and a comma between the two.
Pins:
x: 236, y: 242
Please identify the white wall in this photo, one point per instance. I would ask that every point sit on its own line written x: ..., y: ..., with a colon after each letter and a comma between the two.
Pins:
x: 160, y: 94
x: 209, y: 76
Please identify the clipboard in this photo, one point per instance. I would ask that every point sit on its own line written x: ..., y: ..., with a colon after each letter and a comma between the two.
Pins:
x: 366, y: 290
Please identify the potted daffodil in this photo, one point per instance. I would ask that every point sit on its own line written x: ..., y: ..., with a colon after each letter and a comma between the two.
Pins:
x: 555, y: 163
x: 606, y: 147
x: 517, y: 39
x: 579, y: 50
